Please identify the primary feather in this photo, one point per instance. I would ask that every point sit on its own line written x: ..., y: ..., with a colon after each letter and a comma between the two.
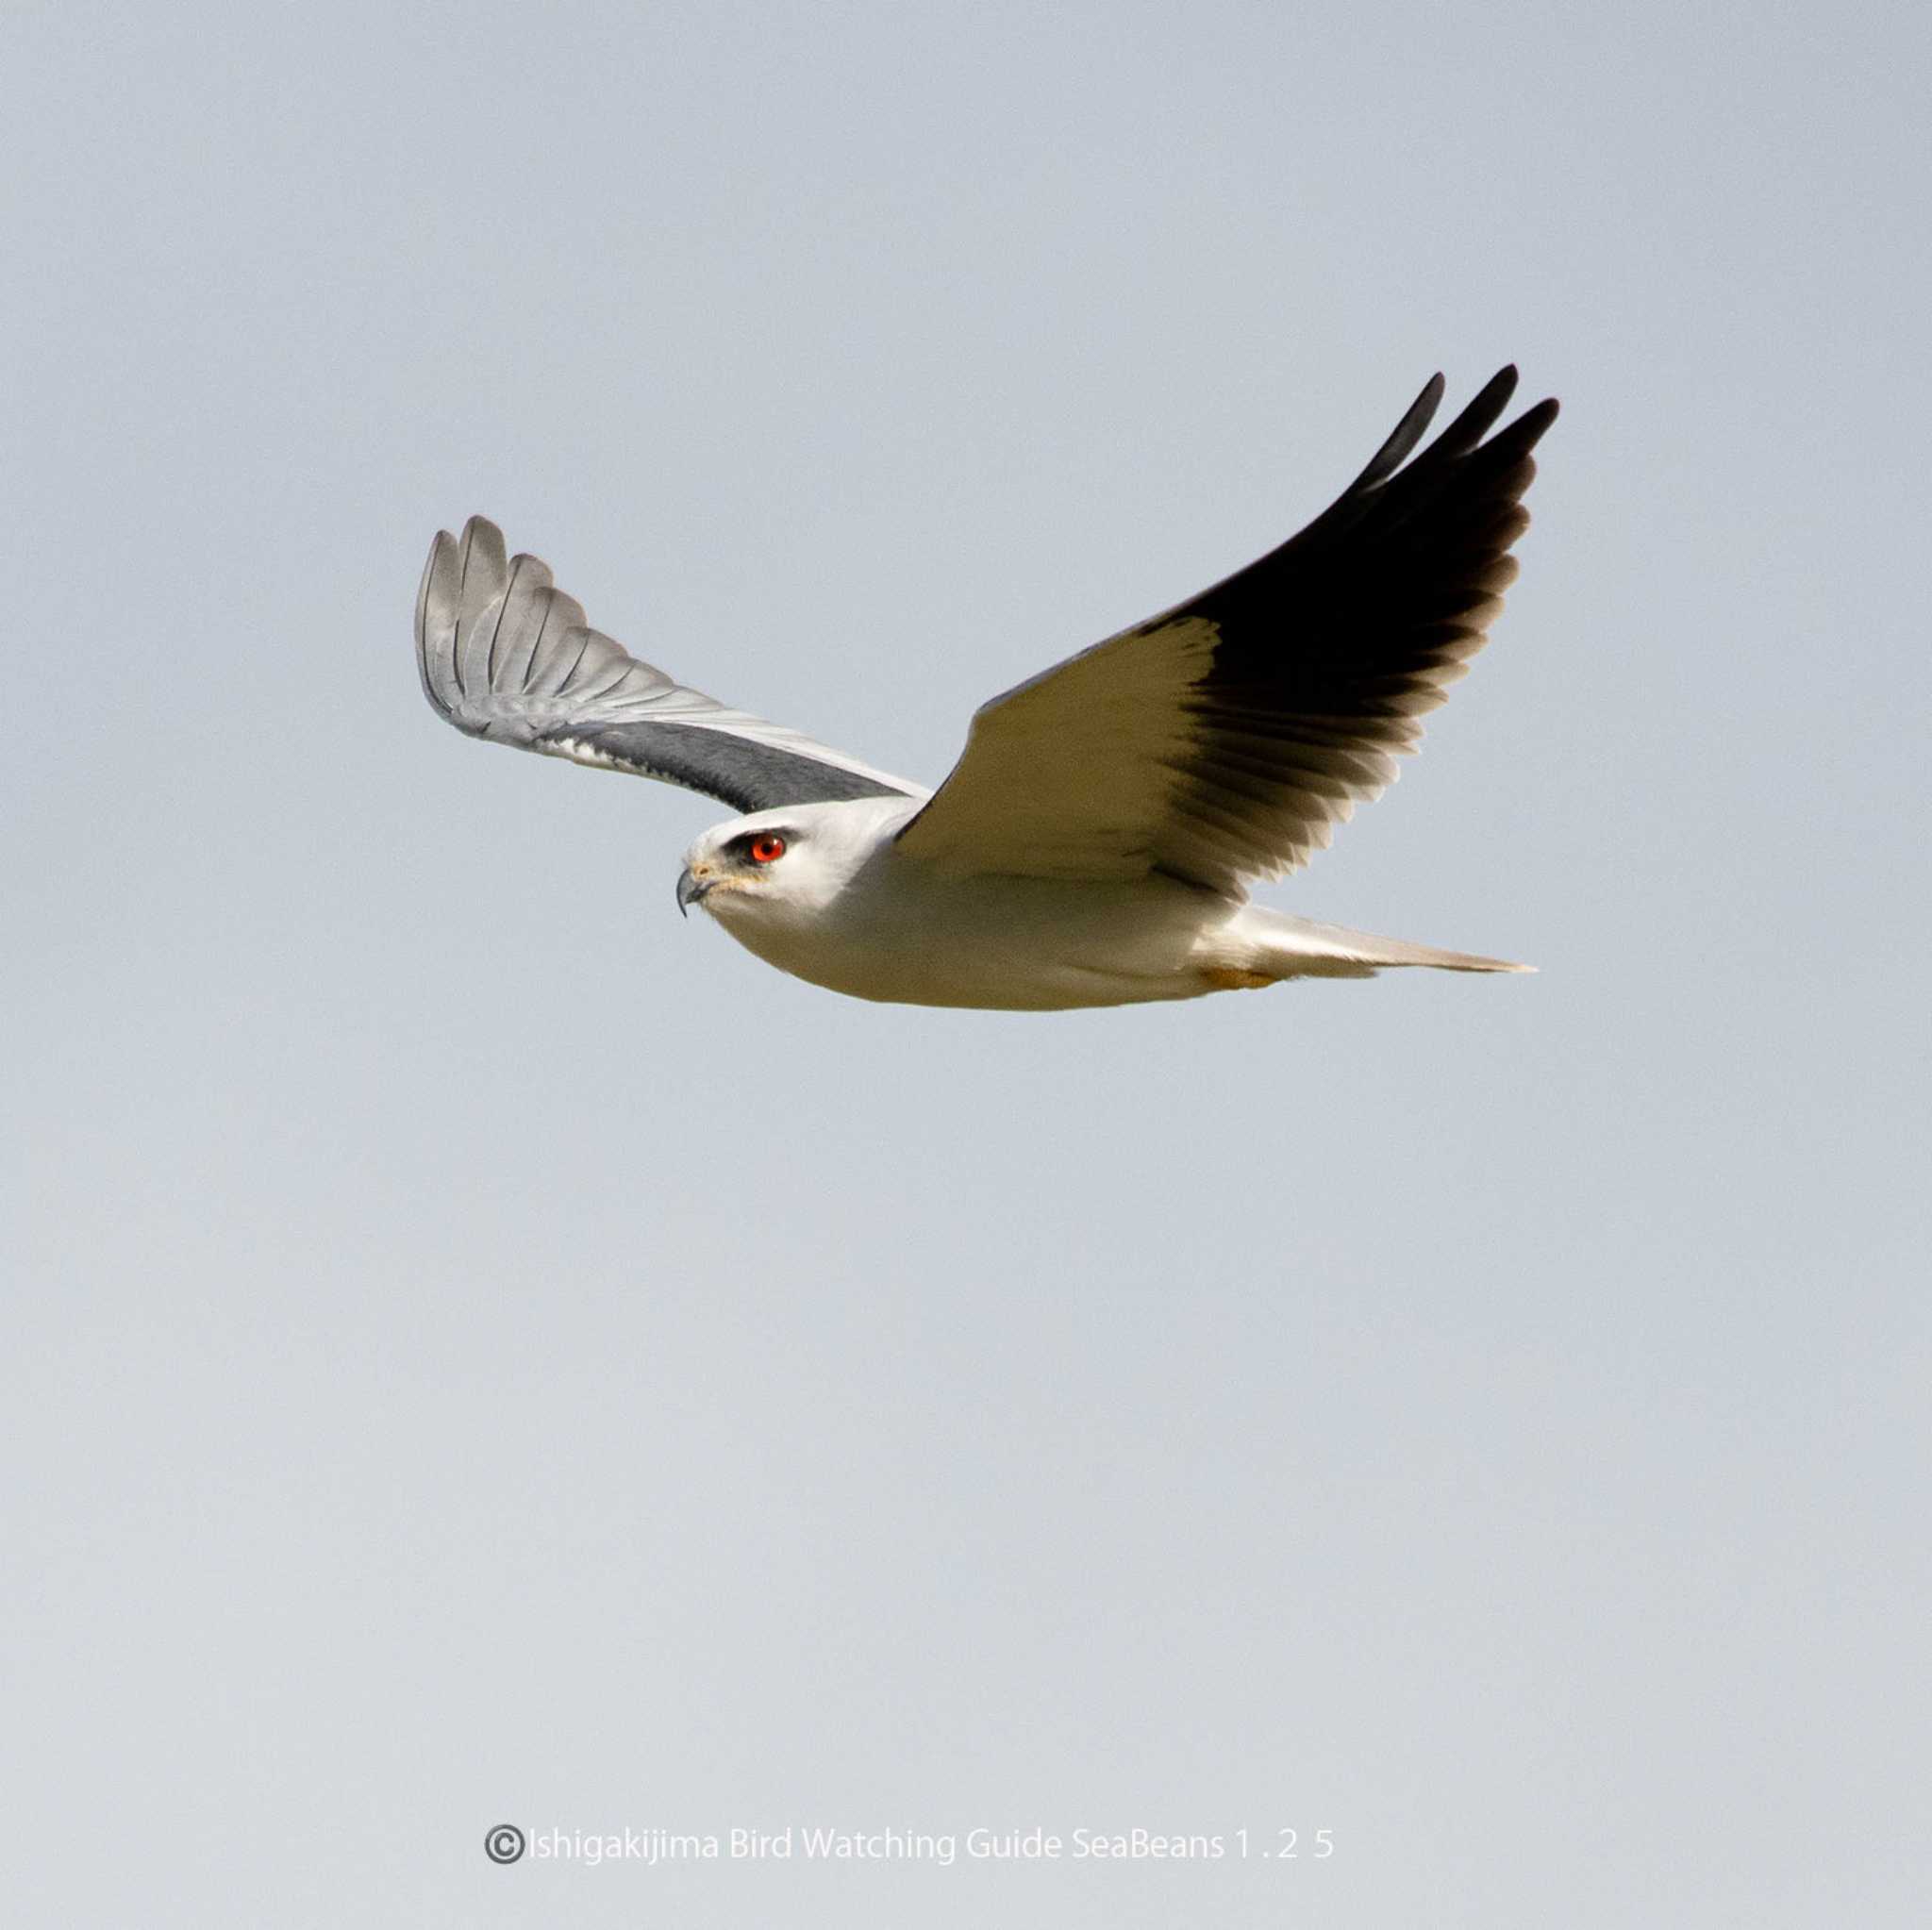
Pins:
x: 1225, y: 739
x: 507, y: 655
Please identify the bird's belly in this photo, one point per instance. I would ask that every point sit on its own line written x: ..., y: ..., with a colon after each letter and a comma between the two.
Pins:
x: 1011, y: 944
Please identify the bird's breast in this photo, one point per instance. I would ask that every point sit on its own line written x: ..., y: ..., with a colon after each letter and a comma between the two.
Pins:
x: 906, y: 933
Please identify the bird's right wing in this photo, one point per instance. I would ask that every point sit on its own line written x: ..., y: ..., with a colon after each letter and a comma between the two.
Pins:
x: 1226, y: 739
x: 507, y: 655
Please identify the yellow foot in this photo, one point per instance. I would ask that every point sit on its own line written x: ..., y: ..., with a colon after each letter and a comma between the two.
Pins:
x: 1226, y: 978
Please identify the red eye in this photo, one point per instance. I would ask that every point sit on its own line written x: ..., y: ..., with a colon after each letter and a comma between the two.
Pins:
x: 767, y: 850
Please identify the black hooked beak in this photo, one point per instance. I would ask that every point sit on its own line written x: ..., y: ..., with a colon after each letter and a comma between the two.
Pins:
x: 690, y: 891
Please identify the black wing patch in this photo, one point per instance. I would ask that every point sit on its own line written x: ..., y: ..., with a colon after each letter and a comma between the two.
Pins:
x: 747, y: 775
x: 1226, y: 737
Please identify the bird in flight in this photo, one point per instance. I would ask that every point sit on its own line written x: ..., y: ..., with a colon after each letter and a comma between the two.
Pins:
x: 1094, y: 844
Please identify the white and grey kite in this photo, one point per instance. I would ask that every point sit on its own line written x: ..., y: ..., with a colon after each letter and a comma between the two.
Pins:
x: 1094, y: 844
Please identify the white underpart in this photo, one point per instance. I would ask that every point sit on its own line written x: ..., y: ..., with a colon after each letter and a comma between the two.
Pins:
x: 847, y: 908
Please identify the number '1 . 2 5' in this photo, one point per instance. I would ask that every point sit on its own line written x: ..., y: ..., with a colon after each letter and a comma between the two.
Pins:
x: 1287, y: 1845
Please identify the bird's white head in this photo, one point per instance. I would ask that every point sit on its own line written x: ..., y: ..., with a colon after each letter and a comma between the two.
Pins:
x: 785, y: 866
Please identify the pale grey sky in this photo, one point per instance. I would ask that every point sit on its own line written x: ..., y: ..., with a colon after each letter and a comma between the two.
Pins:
x: 480, y: 1349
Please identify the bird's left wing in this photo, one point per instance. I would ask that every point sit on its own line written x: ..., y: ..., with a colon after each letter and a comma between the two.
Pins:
x: 1226, y: 739
x: 507, y: 655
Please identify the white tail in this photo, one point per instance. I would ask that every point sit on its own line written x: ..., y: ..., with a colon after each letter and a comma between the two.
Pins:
x: 1274, y: 945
